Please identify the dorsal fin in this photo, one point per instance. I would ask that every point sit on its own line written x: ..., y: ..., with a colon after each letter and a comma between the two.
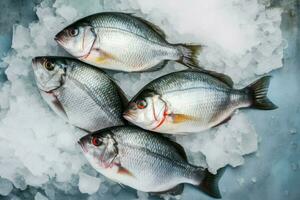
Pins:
x: 222, y: 77
x: 156, y: 28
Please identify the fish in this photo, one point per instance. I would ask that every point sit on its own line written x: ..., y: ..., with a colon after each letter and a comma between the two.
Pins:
x: 146, y: 162
x: 191, y: 101
x: 123, y: 42
x: 82, y: 95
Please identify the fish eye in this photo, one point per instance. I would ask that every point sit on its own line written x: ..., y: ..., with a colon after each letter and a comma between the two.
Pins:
x: 73, y: 32
x: 96, y: 141
x: 48, y: 65
x: 141, y: 104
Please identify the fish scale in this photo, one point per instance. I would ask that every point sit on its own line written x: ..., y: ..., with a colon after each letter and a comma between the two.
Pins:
x: 191, y: 101
x: 205, y: 98
x: 141, y: 53
x: 144, y: 161
x: 125, y: 22
x: 120, y: 41
x: 83, y: 95
x: 158, y: 170
x: 127, y: 136
x: 99, y: 88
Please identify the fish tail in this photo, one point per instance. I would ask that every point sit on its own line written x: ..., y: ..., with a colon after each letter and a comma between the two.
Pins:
x: 210, y: 183
x: 189, y: 55
x: 258, y: 93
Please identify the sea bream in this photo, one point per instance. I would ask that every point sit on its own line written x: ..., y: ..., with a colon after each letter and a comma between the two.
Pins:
x: 144, y: 161
x: 123, y: 42
x: 81, y: 94
x: 191, y: 101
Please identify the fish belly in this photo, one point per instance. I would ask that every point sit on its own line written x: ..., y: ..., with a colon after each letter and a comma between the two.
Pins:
x: 82, y: 111
x: 120, y: 50
x: 148, y: 173
x: 204, y: 107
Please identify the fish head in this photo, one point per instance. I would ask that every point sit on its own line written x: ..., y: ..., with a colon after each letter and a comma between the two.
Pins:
x: 78, y: 39
x: 49, y: 72
x: 146, y: 110
x: 99, y: 148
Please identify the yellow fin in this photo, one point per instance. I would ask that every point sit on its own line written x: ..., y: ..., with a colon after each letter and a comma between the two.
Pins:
x: 124, y: 171
x: 179, y: 118
x: 102, y: 57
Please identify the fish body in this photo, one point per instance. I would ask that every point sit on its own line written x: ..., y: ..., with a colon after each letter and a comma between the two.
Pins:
x: 147, y: 162
x: 123, y: 42
x: 192, y: 101
x: 82, y: 95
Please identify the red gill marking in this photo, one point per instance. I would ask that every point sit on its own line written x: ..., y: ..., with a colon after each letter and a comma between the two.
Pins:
x: 103, y: 163
x: 154, y: 114
x: 88, y: 54
x: 84, y: 56
x: 108, y: 165
x: 163, y: 119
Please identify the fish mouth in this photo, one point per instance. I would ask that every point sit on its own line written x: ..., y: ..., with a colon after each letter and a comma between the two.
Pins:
x: 128, y: 116
x: 58, y: 40
x: 83, y: 147
x: 34, y: 61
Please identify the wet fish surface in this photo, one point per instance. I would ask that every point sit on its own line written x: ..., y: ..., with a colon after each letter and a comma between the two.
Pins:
x: 123, y: 42
x: 79, y: 93
x: 191, y: 101
x: 147, y: 162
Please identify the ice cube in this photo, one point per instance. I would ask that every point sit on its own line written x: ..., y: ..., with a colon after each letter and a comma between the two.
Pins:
x: 67, y: 12
x: 240, y: 38
x: 39, y: 196
x: 88, y: 184
x: 21, y: 37
x: 5, y: 186
x: 142, y: 195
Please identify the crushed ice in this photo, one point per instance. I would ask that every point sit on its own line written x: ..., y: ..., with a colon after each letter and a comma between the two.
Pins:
x: 241, y: 38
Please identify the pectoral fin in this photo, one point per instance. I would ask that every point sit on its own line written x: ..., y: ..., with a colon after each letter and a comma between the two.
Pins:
x: 104, y: 57
x: 124, y: 171
x: 55, y: 104
x: 179, y: 118
x: 99, y: 56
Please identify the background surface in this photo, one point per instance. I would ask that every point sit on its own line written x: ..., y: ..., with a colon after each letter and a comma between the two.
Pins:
x: 274, y: 171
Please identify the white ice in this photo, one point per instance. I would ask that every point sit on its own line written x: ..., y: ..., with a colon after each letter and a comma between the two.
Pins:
x: 39, y: 196
x: 88, y: 184
x: 240, y: 38
x: 5, y: 187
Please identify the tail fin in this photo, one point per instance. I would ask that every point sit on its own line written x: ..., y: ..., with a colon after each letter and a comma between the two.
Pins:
x: 210, y: 182
x: 258, y: 91
x: 189, y: 55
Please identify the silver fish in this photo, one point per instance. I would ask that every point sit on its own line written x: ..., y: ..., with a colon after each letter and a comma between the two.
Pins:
x: 123, y: 42
x: 192, y: 101
x: 144, y: 161
x: 79, y: 93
